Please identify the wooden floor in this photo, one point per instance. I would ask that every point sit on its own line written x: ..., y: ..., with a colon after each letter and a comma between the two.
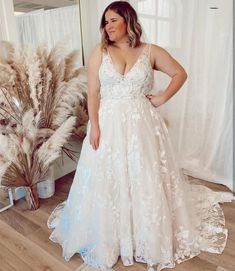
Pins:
x: 24, y: 243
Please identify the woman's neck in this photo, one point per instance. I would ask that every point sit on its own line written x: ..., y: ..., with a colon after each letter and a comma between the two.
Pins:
x: 122, y: 44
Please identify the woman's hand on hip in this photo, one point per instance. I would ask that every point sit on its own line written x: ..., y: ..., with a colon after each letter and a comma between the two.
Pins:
x: 156, y: 100
x: 95, y: 137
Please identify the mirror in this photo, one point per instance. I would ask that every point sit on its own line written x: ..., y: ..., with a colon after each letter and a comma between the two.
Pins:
x: 6, y: 198
x: 49, y: 22
x: 23, y: 6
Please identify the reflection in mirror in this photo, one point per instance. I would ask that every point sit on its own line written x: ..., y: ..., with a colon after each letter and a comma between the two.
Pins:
x: 32, y: 5
x: 6, y: 198
x: 49, y: 22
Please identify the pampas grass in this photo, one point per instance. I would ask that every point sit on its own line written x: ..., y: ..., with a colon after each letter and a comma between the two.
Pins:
x: 42, y: 103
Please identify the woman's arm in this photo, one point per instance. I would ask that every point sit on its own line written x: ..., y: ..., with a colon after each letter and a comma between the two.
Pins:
x: 161, y: 60
x: 94, y: 95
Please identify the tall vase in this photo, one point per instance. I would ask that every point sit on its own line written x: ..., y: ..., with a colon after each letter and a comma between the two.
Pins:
x: 46, y: 187
x: 31, y: 196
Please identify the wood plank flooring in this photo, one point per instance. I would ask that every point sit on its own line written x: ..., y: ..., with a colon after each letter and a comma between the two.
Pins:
x: 24, y: 243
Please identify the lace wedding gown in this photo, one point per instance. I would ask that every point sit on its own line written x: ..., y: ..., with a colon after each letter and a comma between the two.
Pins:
x: 129, y: 198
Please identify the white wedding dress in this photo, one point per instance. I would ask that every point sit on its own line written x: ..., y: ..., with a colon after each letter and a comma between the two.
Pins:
x: 129, y: 198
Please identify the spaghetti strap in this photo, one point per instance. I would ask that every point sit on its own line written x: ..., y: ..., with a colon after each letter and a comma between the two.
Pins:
x: 104, y: 55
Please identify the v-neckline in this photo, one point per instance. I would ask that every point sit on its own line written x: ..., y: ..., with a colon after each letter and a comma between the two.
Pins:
x: 135, y: 63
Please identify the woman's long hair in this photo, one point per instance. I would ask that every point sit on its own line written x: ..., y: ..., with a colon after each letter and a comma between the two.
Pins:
x: 127, y: 12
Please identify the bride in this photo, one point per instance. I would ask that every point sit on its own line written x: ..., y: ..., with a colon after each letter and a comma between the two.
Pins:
x: 129, y: 198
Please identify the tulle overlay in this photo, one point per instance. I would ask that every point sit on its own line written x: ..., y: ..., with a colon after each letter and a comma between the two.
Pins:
x: 129, y: 198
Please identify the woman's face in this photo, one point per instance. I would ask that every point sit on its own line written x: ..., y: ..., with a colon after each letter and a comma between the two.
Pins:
x: 115, y: 26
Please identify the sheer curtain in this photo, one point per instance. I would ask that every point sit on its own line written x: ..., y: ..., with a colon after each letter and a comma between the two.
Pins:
x: 198, y: 34
x: 51, y: 26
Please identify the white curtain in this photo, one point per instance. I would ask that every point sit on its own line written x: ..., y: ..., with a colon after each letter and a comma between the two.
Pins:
x: 198, y: 34
x: 51, y: 26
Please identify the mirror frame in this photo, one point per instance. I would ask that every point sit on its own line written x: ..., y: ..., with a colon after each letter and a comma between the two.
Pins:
x: 10, y: 195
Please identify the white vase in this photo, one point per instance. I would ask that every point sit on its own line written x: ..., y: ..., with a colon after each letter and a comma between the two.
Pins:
x: 46, y: 188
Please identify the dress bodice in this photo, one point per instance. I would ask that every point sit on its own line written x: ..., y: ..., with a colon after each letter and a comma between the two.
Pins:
x: 138, y: 81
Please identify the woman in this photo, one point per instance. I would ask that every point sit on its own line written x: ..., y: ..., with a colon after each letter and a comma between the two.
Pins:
x: 129, y: 197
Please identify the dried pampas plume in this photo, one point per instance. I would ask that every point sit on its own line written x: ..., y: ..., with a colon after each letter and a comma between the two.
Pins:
x: 42, y: 102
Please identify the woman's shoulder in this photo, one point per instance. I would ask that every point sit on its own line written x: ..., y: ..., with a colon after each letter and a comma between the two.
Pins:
x: 156, y: 48
x: 96, y: 53
x: 97, y: 49
x: 157, y: 53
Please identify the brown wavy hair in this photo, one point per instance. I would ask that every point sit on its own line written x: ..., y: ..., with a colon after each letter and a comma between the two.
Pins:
x: 127, y: 12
